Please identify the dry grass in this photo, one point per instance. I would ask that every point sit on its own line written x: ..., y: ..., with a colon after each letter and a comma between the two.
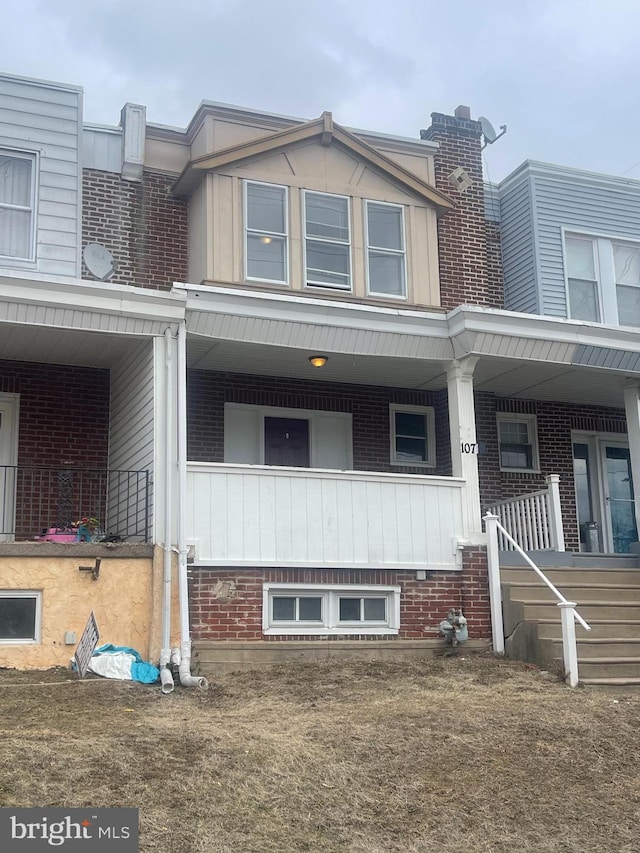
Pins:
x: 447, y: 754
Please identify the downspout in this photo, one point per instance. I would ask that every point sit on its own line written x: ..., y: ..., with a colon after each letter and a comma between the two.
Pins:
x: 184, y: 658
x: 166, y: 678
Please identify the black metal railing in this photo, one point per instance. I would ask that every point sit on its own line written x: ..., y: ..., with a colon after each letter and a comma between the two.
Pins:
x: 35, y: 499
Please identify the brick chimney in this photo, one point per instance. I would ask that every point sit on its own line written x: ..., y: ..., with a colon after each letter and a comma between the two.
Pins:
x: 462, y: 236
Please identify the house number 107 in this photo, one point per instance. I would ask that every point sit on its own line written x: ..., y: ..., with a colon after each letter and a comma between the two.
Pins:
x: 466, y: 447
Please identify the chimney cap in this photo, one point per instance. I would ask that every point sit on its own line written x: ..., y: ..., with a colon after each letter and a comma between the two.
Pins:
x: 462, y: 111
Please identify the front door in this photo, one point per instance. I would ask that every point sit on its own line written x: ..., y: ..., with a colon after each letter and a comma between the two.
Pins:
x: 286, y: 442
x: 619, y: 496
x: 8, y: 460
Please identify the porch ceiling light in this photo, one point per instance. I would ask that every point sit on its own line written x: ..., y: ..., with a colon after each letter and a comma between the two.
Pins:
x: 318, y: 360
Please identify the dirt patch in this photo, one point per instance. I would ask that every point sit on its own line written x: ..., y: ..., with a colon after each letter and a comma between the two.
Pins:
x: 469, y: 753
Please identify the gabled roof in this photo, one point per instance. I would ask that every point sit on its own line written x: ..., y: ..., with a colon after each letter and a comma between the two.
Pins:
x: 327, y: 132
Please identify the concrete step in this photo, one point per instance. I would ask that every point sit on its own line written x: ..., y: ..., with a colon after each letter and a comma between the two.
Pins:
x: 610, y: 682
x: 578, y: 592
x: 599, y: 610
x: 597, y: 649
x: 608, y: 667
x: 600, y: 630
x: 559, y: 576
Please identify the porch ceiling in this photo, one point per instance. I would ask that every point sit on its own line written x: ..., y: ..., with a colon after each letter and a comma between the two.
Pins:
x: 62, y: 346
x: 505, y: 377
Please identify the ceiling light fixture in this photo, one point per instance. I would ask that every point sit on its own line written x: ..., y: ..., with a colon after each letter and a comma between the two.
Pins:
x: 318, y: 360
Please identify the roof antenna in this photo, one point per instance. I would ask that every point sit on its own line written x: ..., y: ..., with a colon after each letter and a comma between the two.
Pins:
x: 488, y: 132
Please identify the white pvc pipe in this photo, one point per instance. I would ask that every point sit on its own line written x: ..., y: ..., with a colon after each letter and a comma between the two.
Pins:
x: 186, y: 679
x: 166, y: 677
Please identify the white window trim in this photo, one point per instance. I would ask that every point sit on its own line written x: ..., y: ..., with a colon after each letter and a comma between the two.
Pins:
x: 33, y: 157
x: 318, y: 285
x: 282, y: 283
x: 402, y: 252
x: 532, y: 422
x: 605, y: 273
x: 25, y: 593
x: 429, y: 412
x: 330, y: 594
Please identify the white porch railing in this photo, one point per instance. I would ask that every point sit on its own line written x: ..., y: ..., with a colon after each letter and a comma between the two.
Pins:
x: 569, y: 615
x: 534, y: 520
x: 257, y: 515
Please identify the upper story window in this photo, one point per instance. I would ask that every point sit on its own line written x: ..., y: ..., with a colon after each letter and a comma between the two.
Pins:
x: 385, y: 249
x: 603, y: 280
x: 327, y: 241
x: 266, y: 233
x: 17, y: 203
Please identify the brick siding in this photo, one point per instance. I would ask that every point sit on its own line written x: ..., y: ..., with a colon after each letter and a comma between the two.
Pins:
x: 555, y: 421
x: 226, y: 604
x: 369, y: 406
x: 141, y: 223
x: 63, y: 423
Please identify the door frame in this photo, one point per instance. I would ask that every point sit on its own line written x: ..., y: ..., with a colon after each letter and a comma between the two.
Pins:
x: 10, y: 408
x: 603, y: 443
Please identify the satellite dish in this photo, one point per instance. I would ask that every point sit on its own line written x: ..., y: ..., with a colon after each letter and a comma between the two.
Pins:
x: 487, y: 130
x: 99, y: 261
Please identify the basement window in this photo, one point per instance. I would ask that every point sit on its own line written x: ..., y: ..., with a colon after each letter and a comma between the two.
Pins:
x: 20, y: 616
x: 322, y: 609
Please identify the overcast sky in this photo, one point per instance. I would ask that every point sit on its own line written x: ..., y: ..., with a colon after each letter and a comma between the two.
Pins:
x: 561, y: 74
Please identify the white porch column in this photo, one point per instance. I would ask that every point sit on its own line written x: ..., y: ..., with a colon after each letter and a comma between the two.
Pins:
x: 464, y: 445
x: 632, y: 411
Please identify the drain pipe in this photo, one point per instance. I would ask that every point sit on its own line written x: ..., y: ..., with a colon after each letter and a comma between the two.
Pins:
x: 166, y: 678
x: 184, y: 657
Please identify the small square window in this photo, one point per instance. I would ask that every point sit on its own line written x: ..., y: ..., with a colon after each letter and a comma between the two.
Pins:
x: 412, y: 436
x: 19, y: 616
x: 517, y: 437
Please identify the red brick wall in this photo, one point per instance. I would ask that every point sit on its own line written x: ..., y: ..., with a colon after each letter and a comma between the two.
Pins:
x: 63, y: 423
x: 226, y: 604
x: 555, y: 421
x: 141, y: 223
x: 369, y: 405
x: 462, y: 232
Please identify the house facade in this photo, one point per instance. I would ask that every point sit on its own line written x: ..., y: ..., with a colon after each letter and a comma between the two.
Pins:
x: 303, y: 379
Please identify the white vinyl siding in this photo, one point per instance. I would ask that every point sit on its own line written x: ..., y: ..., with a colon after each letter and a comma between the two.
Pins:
x: 327, y: 241
x: 323, y: 609
x: 386, y: 266
x: 45, y: 120
x: 266, y: 233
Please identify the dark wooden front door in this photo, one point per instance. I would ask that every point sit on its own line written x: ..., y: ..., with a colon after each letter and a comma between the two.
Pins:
x: 286, y: 442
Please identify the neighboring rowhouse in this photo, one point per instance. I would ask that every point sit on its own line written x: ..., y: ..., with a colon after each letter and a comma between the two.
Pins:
x: 305, y: 345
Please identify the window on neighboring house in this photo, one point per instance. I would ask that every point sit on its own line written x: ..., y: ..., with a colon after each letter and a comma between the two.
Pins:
x: 412, y: 435
x: 266, y: 244
x: 327, y: 241
x: 17, y: 203
x: 603, y: 280
x: 20, y: 614
x: 517, y: 437
x: 385, y: 249
x: 330, y: 609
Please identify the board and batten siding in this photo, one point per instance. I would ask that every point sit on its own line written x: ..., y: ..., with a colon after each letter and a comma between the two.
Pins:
x: 518, y: 253
x: 131, y: 444
x: 46, y: 118
x: 102, y: 148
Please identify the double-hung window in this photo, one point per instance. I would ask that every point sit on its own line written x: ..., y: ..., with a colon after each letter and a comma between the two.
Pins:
x: 17, y: 204
x: 603, y: 280
x: 266, y: 233
x: 412, y: 435
x: 327, y: 241
x: 517, y: 437
x: 386, y: 273
x: 20, y: 616
x: 320, y: 609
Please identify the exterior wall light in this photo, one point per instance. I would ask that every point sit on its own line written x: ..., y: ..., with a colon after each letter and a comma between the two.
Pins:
x: 318, y: 360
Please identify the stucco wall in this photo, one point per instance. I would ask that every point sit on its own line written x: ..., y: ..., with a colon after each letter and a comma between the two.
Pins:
x: 126, y: 600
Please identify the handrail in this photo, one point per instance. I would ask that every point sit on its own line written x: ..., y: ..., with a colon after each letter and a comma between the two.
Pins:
x: 541, y: 574
x: 535, y: 517
x: 569, y: 614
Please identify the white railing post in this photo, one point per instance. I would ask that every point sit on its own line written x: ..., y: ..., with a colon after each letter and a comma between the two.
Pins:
x: 495, y: 590
x: 569, y: 647
x: 555, y: 511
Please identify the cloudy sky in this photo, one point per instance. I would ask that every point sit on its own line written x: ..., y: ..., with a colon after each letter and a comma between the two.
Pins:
x: 561, y: 74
